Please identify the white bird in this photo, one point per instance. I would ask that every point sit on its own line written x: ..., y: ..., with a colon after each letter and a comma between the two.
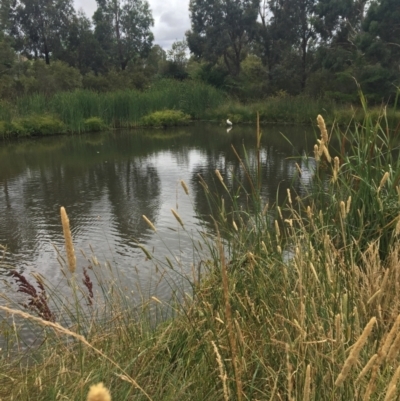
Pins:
x: 228, y: 122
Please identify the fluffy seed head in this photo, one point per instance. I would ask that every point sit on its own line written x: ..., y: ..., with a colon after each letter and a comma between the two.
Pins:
x: 98, y: 392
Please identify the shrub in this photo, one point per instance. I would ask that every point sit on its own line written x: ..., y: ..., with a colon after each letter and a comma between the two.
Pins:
x: 37, y: 125
x: 165, y: 118
x: 94, y: 124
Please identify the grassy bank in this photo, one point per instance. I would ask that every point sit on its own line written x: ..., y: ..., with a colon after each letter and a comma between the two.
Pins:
x: 174, y: 102
x: 296, y: 302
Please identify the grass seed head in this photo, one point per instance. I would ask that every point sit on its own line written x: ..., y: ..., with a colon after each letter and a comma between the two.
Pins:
x: 322, y: 128
x: 185, y: 187
x: 149, y: 223
x: 69, y: 246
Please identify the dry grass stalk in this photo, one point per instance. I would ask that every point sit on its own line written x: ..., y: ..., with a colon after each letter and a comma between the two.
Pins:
x: 367, y: 367
x: 316, y: 153
x: 222, y: 373
x: 383, y: 181
x: 289, y: 196
x: 390, y: 339
x: 348, y: 204
x: 289, y: 374
x: 60, y: 329
x: 178, y: 218
x: 335, y: 169
x: 352, y: 358
x: 229, y: 320
x: 69, y: 246
x: 149, y: 223
x: 219, y: 176
x: 185, y: 187
x: 343, y: 209
x: 98, y: 392
x: 390, y: 394
x: 277, y: 230
x: 306, y: 393
x: 392, y: 387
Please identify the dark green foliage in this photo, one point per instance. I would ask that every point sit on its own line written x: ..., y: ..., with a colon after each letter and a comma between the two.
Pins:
x: 40, y: 26
x: 122, y: 28
x: 222, y: 29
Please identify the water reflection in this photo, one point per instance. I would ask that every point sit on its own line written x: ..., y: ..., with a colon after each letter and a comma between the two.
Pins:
x: 108, y: 181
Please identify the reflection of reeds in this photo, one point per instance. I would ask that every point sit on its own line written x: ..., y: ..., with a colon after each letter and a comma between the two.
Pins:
x: 69, y: 246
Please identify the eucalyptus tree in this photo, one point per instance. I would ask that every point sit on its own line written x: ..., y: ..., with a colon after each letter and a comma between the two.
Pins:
x: 122, y: 28
x: 222, y: 28
x: 40, y: 27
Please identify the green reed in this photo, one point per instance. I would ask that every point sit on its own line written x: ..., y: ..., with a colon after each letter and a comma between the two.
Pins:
x: 120, y: 108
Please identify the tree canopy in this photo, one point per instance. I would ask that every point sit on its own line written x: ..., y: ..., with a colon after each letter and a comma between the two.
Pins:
x: 250, y: 48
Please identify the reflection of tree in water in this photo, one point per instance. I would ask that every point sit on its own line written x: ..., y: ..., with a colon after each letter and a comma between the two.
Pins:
x: 30, y: 199
x: 134, y: 189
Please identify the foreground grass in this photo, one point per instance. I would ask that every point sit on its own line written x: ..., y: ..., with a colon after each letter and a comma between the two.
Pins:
x: 298, y: 302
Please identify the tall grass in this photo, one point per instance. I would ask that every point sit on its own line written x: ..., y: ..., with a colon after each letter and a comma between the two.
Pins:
x: 296, y: 302
x: 122, y: 108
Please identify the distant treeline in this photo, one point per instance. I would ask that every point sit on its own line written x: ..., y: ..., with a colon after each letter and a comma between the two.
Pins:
x: 252, y: 49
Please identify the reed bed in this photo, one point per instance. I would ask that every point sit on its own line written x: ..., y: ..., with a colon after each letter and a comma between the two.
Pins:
x: 298, y: 301
x: 116, y: 109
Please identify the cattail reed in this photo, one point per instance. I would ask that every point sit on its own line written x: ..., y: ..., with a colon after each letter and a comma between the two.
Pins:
x: 178, y: 218
x: 185, y: 187
x: 355, y: 351
x: 98, y: 392
x: 69, y: 246
x: 149, y: 223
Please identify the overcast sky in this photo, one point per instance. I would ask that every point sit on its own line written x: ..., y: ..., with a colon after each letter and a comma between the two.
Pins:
x: 171, y: 18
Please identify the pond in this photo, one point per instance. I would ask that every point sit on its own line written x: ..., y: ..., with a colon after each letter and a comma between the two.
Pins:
x: 107, y: 181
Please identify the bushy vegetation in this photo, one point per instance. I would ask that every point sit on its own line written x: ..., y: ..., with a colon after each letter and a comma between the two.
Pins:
x: 94, y: 124
x: 165, y: 118
x: 296, y: 301
x: 32, y: 125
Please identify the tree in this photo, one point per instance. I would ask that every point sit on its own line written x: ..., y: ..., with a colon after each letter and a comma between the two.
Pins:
x: 222, y: 28
x: 122, y: 28
x: 40, y: 27
x: 82, y: 50
x: 176, y: 61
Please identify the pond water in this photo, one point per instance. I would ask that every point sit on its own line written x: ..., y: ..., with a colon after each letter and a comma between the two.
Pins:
x: 107, y: 181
